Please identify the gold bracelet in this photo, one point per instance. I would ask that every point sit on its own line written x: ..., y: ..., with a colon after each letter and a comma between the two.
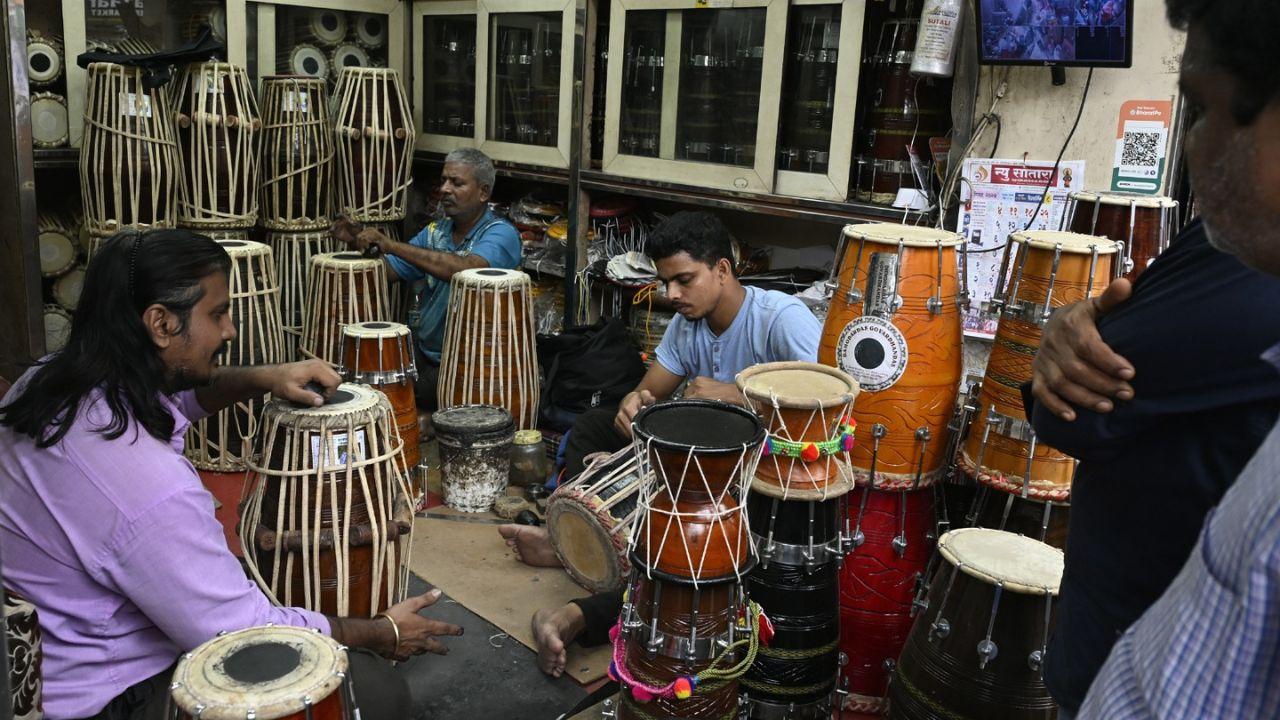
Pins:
x: 394, y: 628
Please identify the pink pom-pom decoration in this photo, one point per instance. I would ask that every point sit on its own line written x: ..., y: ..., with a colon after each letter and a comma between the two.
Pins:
x: 640, y: 694
x: 613, y: 633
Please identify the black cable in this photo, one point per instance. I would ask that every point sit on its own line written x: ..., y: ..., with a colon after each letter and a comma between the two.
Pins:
x: 1054, y: 175
x: 999, y: 127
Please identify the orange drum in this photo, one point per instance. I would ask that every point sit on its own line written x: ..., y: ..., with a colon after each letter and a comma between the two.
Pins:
x: 1050, y: 269
x: 807, y: 410
x: 342, y: 289
x: 894, y: 326
x: 1142, y: 222
x: 381, y: 354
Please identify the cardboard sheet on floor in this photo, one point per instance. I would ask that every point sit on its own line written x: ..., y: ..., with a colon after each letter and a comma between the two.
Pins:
x: 472, y: 565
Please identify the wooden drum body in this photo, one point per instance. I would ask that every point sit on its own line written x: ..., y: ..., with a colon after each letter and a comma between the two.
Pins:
x: 978, y: 643
x: 129, y: 156
x: 218, y: 135
x: 297, y: 157
x: 807, y: 409
x: 293, y: 252
x: 374, y: 138
x: 327, y: 523
x: 222, y: 441
x: 268, y: 673
x: 894, y: 326
x: 1050, y: 269
x: 342, y: 289
x: 380, y: 354
x: 1144, y: 223
x: 489, y: 355
x: 591, y: 520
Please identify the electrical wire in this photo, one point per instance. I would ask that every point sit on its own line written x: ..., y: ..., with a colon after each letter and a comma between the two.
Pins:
x: 1056, y: 163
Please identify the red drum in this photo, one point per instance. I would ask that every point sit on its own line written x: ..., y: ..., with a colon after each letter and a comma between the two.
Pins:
x: 1144, y: 223
x: 893, y: 541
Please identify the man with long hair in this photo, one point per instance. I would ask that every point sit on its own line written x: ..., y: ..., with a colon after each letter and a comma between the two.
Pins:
x: 106, y: 527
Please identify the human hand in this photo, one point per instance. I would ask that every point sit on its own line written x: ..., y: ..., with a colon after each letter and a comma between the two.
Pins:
x: 633, y: 403
x: 357, y: 236
x: 704, y: 388
x: 1074, y: 366
x: 289, y: 381
x: 417, y: 633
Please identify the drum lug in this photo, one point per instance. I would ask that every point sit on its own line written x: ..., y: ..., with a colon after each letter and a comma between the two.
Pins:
x: 607, y: 711
x: 987, y: 651
x: 1034, y: 660
x: 919, y: 605
x: 939, y: 629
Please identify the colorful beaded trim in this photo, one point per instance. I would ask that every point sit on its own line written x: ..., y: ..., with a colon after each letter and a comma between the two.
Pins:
x: 810, y: 451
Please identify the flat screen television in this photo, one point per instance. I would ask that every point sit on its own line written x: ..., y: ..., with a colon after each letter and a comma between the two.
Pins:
x: 1075, y: 33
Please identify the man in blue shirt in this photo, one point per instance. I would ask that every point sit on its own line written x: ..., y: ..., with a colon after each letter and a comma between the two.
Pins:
x: 471, y: 236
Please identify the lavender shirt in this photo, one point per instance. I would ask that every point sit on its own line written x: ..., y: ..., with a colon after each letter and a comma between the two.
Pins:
x: 116, y: 544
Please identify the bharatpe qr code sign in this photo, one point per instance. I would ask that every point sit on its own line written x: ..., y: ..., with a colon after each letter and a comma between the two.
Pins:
x: 1142, y: 140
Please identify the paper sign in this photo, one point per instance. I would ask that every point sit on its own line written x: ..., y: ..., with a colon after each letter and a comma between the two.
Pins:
x: 1142, y: 140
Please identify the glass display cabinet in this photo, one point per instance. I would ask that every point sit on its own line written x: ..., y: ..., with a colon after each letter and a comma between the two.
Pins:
x: 444, y: 74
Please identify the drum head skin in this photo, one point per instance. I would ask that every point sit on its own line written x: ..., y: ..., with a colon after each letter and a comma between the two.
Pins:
x: 1070, y: 242
x: 908, y: 235
x: 1019, y: 563
x: 798, y: 384
x: 703, y: 425
x: 1126, y: 199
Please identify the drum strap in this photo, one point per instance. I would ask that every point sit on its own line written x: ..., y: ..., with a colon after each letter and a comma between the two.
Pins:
x: 607, y: 690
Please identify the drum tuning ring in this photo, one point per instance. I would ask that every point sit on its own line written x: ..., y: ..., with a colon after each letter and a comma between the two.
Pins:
x: 1034, y: 660
x: 987, y: 652
x: 843, y: 660
x: 940, y: 629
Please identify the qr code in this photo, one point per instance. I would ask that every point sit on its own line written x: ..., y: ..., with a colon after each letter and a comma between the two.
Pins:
x: 1140, y: 148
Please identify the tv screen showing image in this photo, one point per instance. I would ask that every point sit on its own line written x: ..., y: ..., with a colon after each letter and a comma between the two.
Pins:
x: 1090, y: 33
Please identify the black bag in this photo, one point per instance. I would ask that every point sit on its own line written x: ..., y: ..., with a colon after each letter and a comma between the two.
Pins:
x: 586, y: 367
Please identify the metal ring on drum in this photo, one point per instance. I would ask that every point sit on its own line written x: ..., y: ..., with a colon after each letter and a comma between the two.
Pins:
x: 591, y: 519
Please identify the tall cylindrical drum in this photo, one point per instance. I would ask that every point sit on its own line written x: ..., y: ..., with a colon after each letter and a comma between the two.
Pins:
x: 374, y: 133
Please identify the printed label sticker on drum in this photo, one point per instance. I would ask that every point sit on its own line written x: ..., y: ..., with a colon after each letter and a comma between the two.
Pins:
x: 295, y: 102
x: 339, y: 450
x: 873, y: 351
x: 135, y: 105
x: 882, y: 285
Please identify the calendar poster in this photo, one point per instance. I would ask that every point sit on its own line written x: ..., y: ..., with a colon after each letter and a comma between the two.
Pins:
x: 999, y: 197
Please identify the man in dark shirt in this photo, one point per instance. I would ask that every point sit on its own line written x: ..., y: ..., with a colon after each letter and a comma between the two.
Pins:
x: 1163, y: 397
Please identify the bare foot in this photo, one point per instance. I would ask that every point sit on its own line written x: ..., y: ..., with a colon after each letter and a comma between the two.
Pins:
x: 532, y: 545
x: 553, y: 630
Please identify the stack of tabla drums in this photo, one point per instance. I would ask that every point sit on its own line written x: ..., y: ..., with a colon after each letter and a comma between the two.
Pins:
x: 687, y: 633
x: 1143, y: 223
x: 894, y: 326
x: 489, y: 355
x: 129, y: 155
x: 1024, y: 486
x: 327, y: 521
x: 797, y: 511
x: 295, y: 198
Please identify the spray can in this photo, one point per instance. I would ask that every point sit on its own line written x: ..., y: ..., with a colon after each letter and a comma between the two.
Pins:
x: 936, y: 41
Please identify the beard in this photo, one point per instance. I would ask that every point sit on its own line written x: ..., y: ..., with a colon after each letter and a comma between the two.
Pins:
x: 1238, y: 220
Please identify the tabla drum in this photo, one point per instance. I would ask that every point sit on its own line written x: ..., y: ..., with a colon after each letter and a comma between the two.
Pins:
x: 57, y: 246
x: 342, y: 289
x: 297, y: 154
x: 67, y: 289
x: 222, y: 441
x: 205, y: 16
x: 267, y: 673
x: 218, y: 135
x: 371, y: 30
x: 45, y: 62
x: 327, y: 523
x: 475, y: 454
x: 892, y: 539
x: 129, y: 154
x: 325, y: 26
x: 1144, y: 223
x: 647, y: 327
x: 1049, y: 269
x: 894, y: 326
x: 697, y: 458
x: 489, y: 355
x: 305, y: 59
x: 402, y: 295
x: 49, y: 122
x: 57, y: 328
x: 26, y: 657
x: 978, y: 644
x: 380, y: 354
x: 293, y: 252
x: 797, y: 583
x: 590, y: 520
x: 375, y: 135
x: 807, y: 409
x: 347, y: 55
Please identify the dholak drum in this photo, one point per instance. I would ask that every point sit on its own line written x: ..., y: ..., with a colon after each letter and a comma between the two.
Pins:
x: 978, y: 644
x: 892, y: 538
x: 57, y: 328
x: 475, y: 454
x: 268, y: 673
x: 129, y: 157
x: 1050, y: 269
x: 342, y: 289
x: 807, y: 410
x: 50, y: 124
x: 222, y: 441
x: 894, y: 326
x: 44, y: 59
x: 297, y: 154
x: 326, y: 523
x: 26, y: 657
x: 797, y: 583
x: 375, y: 135
x: 1041, y: 520
x: 1144, y: 223
x: 218, y: 135
x: 489, y: 353
x: 381, y: 354
x: 293, y: 252
x: 590, y: 520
